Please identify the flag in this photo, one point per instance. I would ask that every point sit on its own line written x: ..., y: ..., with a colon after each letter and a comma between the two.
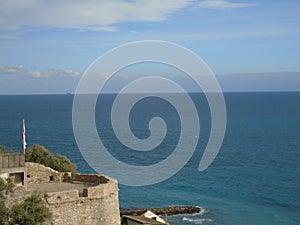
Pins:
x: 24, y: 137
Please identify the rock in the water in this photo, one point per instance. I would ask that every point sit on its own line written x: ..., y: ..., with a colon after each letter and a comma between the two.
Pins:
x: 163, y: 211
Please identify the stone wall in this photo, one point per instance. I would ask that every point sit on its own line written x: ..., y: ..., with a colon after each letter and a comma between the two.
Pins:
x: 37, y: 173
x: 98, y: 204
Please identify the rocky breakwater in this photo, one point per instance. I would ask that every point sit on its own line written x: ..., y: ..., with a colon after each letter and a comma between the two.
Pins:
x: 163, y: 211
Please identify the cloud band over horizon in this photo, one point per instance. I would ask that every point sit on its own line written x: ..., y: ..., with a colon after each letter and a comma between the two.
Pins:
x: 87, y: 15
x: 35, y: 73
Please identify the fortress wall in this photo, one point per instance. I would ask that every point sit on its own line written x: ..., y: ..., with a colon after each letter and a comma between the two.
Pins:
x: 99, y: 203
x: 100, y: 206
x: 87, y: 211
x: 103, y: 190
x: 37, y: 173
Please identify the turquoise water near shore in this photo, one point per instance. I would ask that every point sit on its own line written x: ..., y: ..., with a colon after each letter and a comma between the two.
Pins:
x: 254, y: 179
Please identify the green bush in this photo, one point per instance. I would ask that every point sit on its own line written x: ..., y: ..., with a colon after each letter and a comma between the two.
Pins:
x: 3, y: 212
x: 2, y: 149
x: 2, y: 187
x: 6, y: 187
x: 41, y: 155
x: 31, y: 211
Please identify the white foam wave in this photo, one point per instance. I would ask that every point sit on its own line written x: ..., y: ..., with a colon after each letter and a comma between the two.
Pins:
x: 197, y: 221
x: 203, y: 211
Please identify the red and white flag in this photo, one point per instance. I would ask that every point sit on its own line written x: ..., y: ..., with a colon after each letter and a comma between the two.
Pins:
x: 24, y: 137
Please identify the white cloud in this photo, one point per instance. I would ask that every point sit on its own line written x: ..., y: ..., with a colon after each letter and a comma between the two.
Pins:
x: 71, y: 73
x: 98, y: 15
x: 16, y: 69
x: 8, y: 36
x: 35, y: 73
x: 221, y: 4
x: 133, y: 32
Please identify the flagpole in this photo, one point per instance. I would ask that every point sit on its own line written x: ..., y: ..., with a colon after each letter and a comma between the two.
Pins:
x: 24, y: 137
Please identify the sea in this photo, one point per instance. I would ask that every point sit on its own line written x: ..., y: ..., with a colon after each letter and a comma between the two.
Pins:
x: 254, y: 179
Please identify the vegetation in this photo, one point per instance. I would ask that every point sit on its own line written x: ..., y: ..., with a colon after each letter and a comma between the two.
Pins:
x: 2, y: 187
x: 2, y: 149
x: 32, y: 211
x: 6, y: 187
x: 3, y: 212
x: 40, y: 154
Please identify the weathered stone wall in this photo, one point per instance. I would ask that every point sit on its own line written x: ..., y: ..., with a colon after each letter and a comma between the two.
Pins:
x: 17, y: 196
x: 98, y: 204
x: 85, y: 210
x: 37, y: 173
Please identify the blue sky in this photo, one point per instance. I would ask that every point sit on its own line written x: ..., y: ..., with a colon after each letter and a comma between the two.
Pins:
x: 47, y: 45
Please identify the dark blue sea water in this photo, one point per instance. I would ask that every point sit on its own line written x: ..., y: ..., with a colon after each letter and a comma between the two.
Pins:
x: 255, y: 178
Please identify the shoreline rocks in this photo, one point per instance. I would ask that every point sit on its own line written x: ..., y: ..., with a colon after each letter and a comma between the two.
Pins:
x: 163, y: 211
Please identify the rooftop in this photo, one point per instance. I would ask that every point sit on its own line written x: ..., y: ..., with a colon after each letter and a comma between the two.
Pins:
x: 143, y: 220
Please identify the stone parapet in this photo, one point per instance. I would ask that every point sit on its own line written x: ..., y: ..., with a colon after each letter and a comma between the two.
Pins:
x: 62, y: 197
x: 102, y: 190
